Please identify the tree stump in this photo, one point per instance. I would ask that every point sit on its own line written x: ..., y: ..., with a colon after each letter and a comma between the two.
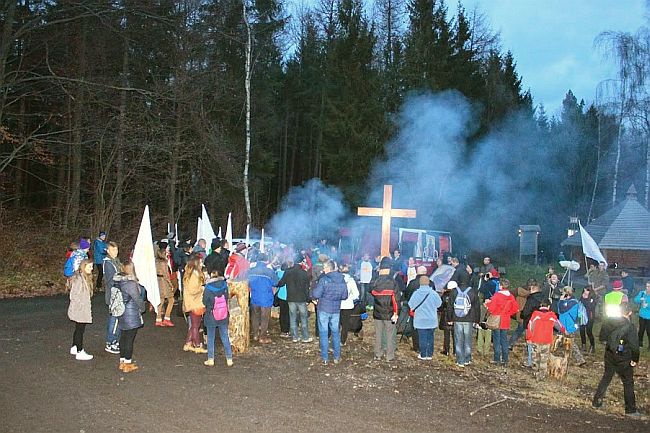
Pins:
x: 239, y: 323
x: 558, y: 360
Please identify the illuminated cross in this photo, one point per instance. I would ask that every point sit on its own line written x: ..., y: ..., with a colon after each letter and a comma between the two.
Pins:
x: 386, y: 213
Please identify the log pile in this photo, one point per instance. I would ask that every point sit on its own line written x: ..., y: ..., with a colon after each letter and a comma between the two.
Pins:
x: 239, y: 323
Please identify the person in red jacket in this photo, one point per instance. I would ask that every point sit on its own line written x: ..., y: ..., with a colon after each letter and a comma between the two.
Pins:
x: 505, y: 305
x: 237, y: 267
x: 540, y: 334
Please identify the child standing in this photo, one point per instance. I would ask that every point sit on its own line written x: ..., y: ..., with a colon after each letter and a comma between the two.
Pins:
x: 79, y: 311
x: 215, y: 299
x: 540, y: 333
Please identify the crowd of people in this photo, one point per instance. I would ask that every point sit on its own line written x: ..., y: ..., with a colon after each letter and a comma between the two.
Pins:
x: 472, y: 306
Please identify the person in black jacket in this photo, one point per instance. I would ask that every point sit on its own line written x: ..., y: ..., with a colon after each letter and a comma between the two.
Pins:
x: 533, y: 302
x: 463, y: 314
x: 621, y: 356
x: 385, y: 292
x: 297, y: 281
x: 214, y: 262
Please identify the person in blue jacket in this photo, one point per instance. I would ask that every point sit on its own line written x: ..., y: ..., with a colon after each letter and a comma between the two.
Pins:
x: 425, y: 303
x: 568, y: 308
x: 261, y: 280
x: 330, y: 290
x: 99, y: 253
x: 643, y: 300
x: 216, y: 287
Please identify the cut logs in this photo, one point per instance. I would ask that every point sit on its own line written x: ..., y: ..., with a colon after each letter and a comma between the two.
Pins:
x: 239, y: 323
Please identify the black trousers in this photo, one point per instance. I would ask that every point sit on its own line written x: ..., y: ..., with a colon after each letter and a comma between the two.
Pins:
x: 415, y: 336
x: 448, y: 340
x: 284, y: 316
x: 644, y: 328
x: 126, y: 343
x: 100, y: 276
x: 620, y: 365
x: 78, y: 336
x: 587, y: 331
x: 344, y: 324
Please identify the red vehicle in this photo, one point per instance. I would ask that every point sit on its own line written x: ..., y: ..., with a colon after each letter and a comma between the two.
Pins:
x: 424, y: 245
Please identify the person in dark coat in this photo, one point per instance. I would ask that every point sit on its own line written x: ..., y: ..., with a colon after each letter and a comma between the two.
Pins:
x: 214, y: 262
x: 386, y: 294
x: 330, y: 290
x: 621, y: 356
x: 297, y: 281
x: 589, y: 300
x: 131, y: 320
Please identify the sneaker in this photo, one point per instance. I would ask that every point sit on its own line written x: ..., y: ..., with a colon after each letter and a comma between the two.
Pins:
x: 421, y: 358
x: 460, y: 365
x: 187, y: 347
x: 83, y: 356
x: 229, y: 362
x: 209, y: 363
x: 468, y: 363
x: 635, y: 414
x: 73, y: 350
x: 160, y: 324
x: 429, y: 358
x: 336, y: 361
x: 377, y: 358
x: 285, y: 335
x: 308, y: 340
x: 295, y: 340
x: 112, y: 348
x: 168, y: 323
x: 598, y: 403
x: 324, y: 362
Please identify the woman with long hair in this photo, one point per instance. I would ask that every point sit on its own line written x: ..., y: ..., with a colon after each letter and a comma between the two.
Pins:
x: 193, y: 286
x: 131, y: 320
x: 79, y: 311
x: 590, y: 301
x: 165, y: 286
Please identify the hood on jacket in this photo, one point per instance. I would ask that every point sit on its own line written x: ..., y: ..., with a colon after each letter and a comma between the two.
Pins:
x: 216, y: 284
x: 334, y: 276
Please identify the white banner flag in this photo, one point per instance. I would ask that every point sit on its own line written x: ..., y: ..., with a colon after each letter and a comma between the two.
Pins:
x: 229, y: 231
x: 144, y: 260
x: 590, y: 247
x: 207, y: 232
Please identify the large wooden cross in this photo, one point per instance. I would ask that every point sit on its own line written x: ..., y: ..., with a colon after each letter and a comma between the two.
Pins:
x: 386, y: 213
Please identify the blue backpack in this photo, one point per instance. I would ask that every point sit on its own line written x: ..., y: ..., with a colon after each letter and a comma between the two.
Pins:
x: 68, y: 268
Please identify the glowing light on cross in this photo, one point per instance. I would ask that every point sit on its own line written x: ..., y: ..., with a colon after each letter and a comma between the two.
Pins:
x: 386, y: 212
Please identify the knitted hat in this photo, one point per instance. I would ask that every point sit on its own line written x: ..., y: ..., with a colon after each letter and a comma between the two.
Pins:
x: 84, y: 244
x: 240, y: 247
x: 617, y: 285
x: 386, y: 263
x: 421, y: 270
x: 102, y: 233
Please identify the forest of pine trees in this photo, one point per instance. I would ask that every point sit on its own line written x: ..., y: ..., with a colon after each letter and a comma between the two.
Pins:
x: 107, y: 105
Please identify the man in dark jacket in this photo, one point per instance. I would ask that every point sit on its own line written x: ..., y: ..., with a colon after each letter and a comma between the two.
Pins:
x: 111, y: 267
x: 463, y: 312
x: 533, y: 302
x: 621, y: 356
x: 261, y: 281
x: 297, y: 281
x: 214, y: 261
x: 330, y: 290
x: 385, y: 292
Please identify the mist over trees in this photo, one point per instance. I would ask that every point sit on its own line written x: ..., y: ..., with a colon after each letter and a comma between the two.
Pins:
x: 109, y: 105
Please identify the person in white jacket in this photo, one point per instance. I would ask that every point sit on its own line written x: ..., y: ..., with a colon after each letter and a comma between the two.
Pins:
x: 348, y: 304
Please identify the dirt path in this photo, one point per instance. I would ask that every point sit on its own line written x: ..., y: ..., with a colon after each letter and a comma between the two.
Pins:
x: 275, y: 388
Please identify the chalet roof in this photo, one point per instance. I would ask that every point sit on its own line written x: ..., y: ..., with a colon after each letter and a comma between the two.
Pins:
x: 624, y: 227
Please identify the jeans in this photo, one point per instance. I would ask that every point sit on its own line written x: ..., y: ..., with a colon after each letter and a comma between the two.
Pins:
x: 620, y: 365
x: 329, y: 322
x: 516, y: 334
x: 426, y: 342
x: 529, y: 349
x: 364, y: 293
x: 225, y: 340
x: 463, y: 336
x: 112, y: 331
x: 296, y: 308
x: 385, y: 331
x: 500, y: 337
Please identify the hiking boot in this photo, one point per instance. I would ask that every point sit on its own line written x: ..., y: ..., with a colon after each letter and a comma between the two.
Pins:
x: 187, y: 347
x: 597, y: 403
x: 592, y: 350
x: 129, y: 367
x: 73, y: 350
x: 160, y: 324
x: 209, y: 362
x: 229, y: 362
x: 83, y: 356
x: 168, y: 323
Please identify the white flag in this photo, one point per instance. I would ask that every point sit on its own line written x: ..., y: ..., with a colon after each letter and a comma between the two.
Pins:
x: 248, y: 237
x: 207, y: 232
x: 262, y: 242
x: 144, y: 260
x: 219, y: 234
x: 590, y: 247
x: 229, y: 230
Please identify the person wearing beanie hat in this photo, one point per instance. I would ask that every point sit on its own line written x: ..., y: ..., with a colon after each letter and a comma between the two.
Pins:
x: 424, y: 304
x: 384, y: 290
x: 614, y: 299
x: 408, y: 292
x: 99, y: 253
x: 463, y: 312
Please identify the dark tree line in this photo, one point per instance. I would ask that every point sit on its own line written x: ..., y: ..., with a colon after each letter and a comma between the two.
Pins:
x: 106, y: 105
